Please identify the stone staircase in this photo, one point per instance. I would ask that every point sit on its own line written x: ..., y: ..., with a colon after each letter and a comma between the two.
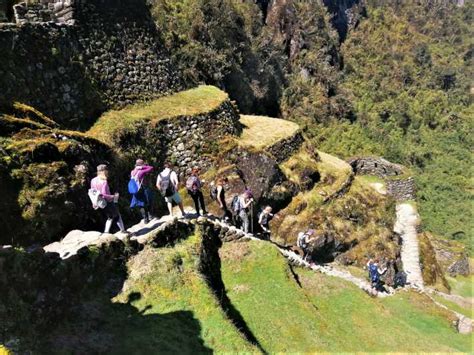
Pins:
x: 406, y: 226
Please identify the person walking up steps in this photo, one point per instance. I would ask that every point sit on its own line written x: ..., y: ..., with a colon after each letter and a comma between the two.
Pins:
x: 143, y: 196
x: 303, y: 242
x: 264, y: 221
x: 100, y: 188
x: 245, y: 201
x: 168, y: 184
x: 220, y: 197
x: 193, y: 185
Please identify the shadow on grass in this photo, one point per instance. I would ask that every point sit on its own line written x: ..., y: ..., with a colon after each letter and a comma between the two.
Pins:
x: 100, y: 326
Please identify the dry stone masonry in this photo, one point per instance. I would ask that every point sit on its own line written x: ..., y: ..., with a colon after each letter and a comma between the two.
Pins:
x: 74, y: 59
x: 186, y: 141
x: 400, y: 188
x: 285, y: 148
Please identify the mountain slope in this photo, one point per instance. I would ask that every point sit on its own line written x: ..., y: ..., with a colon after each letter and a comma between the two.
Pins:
x: 298, y: 310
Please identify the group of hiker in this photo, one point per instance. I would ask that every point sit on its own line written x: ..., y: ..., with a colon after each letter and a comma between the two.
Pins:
x: 167, y: 183
x: 239, y: 214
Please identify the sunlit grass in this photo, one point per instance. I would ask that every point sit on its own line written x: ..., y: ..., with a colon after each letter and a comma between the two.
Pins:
x: 328, y: 314
x: 262, y: 131
x: 202, y: 99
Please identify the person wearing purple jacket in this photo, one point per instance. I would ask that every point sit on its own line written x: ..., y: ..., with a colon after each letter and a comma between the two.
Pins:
x: 100, y: 184
x: 144, y: 197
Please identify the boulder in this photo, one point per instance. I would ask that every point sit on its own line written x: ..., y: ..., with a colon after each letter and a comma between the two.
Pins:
x: 460, y: 267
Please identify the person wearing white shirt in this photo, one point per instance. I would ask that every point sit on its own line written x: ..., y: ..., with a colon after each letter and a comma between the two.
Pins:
x: 168, y: 184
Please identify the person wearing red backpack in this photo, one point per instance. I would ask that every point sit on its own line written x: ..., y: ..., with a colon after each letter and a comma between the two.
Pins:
x: 194, y: 185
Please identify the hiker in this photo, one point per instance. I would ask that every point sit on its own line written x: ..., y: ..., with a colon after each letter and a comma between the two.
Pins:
x: 100, y: 187
x: 220, y: 198
x: 193, y: 185
x: 303, y: 240
x: 264, y: 221
x: 168, y: 184
x: 142, y: 196
x: 374, y: 274
x: 245, y: 209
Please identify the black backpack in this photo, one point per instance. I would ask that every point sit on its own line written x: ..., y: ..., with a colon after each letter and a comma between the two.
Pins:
x: 213, y: 192
x: 400, y: 279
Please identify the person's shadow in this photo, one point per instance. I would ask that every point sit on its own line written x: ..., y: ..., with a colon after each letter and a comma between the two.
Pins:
x: 121, y: 328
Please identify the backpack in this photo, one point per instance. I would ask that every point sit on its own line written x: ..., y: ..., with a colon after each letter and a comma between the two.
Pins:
x: 213, y: 192
x: 400, y: 279
x: 301, y: 241
x: 374, y: 273
x: 166, y: 188
x: 133, y: 186
x: 235, y: 204
x: 96, y: 198
x: 191, y: 182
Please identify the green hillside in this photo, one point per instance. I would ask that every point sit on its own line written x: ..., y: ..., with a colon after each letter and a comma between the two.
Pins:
x: 302, y: 311
x: 407, y: 70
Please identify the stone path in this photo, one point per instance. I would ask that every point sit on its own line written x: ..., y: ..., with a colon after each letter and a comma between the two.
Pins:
x: 406, y: 225
x: 333, y: 271
x: 407, y: 220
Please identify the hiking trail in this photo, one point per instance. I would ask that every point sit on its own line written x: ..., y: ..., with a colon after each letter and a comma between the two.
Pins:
x: 143, y: 234
x: 406, y: 225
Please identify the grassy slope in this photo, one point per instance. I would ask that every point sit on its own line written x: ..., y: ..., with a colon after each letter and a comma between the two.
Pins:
x: 191, y: 102
x: 169, y: 288
x: 262, y: 131
x: 462, y: 285
x: 361, y: 214
x: 327, y: 314
x: 165, y: 307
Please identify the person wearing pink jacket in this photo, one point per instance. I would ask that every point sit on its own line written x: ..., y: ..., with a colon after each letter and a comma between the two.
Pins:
x: 144, y: 197
x: 111, y: 211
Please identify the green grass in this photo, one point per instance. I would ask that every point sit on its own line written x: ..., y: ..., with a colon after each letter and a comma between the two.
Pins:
x: 463, y: 309
x: 328, y: 314
x: 261, y: 131
x: 462, y: 285
x: 202, y: 99
x: 165, y: 307
x: 169, y: 288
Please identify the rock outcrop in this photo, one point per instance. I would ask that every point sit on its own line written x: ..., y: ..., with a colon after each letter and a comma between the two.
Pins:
x: 44, y: 177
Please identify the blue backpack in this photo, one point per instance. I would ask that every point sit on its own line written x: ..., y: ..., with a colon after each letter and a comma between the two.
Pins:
x: 374, y: 273
x: 133, y: 186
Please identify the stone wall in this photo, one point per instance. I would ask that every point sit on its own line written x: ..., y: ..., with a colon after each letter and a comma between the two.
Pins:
x: 186, y: 141
x: 285, y: 148
x: 401, y: 189
x: 72, y: 69
x: 375, y: 166
x: 44, y: 11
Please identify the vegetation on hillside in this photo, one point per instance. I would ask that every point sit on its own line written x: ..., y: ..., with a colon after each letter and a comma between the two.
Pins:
x: 43, y: 176
x: 398, y: 86
x: 296, y: 310
x: 407, y: 71
x: 221, y: 42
